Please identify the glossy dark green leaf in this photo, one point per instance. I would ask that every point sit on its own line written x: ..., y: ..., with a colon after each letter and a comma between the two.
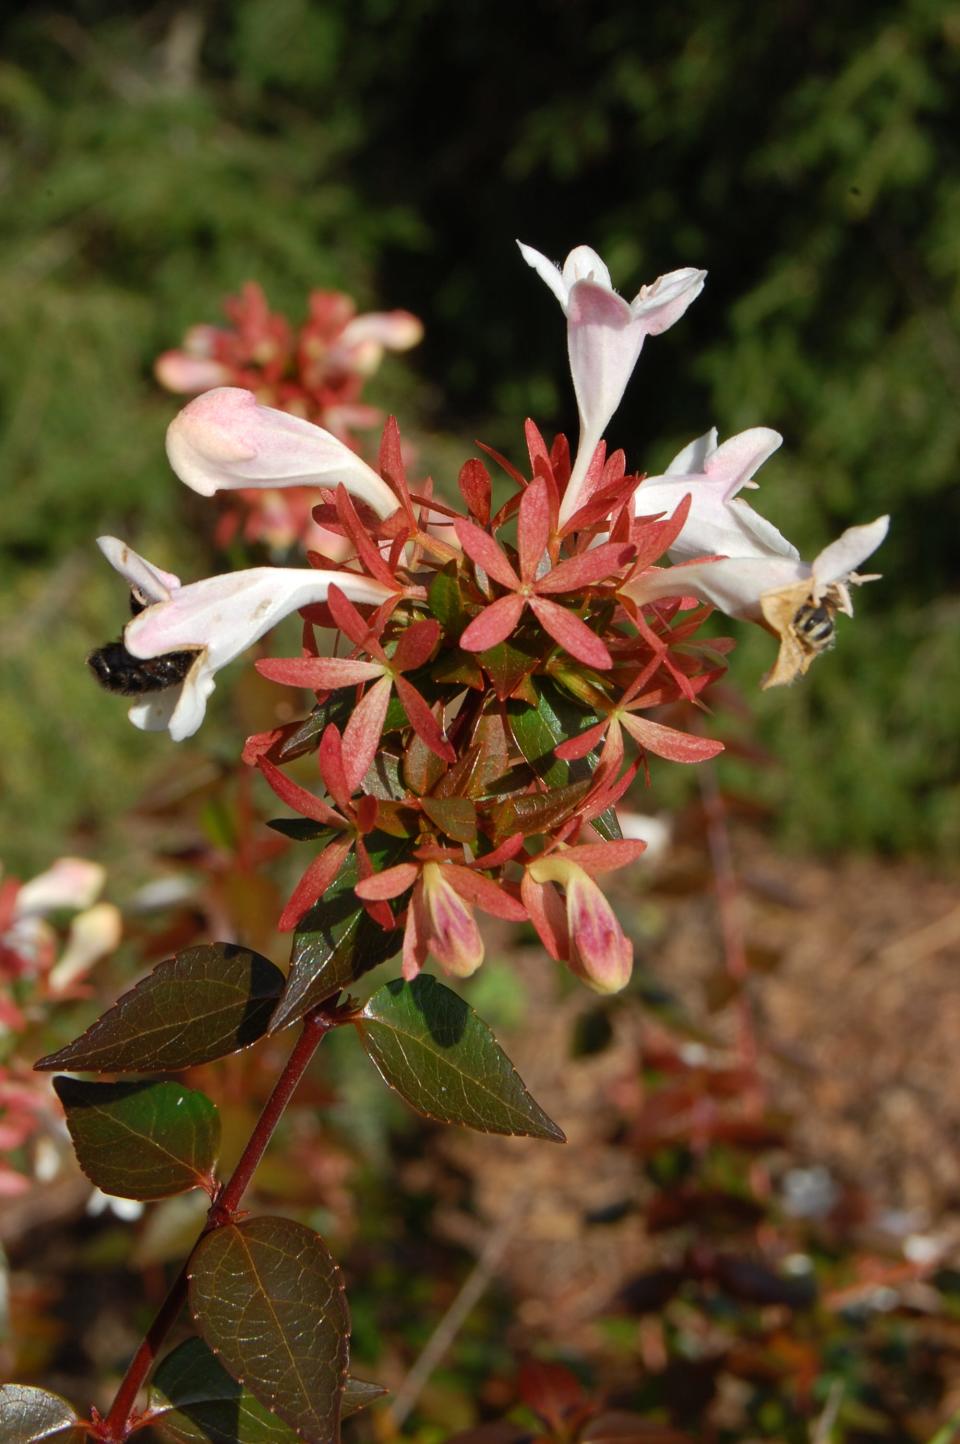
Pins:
x: 336, y: 709
x: 538, y: 730
x: 446, y: 603
x: 434, y: 1050
x: 141, y: 1140
x: 267, y: 1296
x: 383, y: 778
x: 300, y: 829
x: 34, y: 1416
x: 203, y: 1004
x: 196, y: 1401
x: 336, y: 941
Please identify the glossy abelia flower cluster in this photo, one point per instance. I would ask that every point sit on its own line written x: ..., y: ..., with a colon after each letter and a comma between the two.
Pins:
x: 498, y: 661
x: 316, y: 373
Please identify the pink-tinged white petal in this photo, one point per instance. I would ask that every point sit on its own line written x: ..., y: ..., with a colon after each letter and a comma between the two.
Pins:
x: 93, y: 934
x: 604, y: 340
x: 187, y: 375
x: 154, y: 713
x: 387, y: 330
x: 225, y: 440
x: 693, y: 458
x: 734, y: 585
x: 155, y: 584
x: 662, y: 303
x: 454, y: 938
x: 221, y: 617
x: 718, y: 522
x: 843, y: 556
x: 72, y: 882
x: 583, y: 264
x: 547, y: 271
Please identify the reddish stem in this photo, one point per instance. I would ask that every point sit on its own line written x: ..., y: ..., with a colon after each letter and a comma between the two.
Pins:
x: 119, y: 1422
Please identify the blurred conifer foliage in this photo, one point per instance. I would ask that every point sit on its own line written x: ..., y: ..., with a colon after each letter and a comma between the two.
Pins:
x: 153, y: 159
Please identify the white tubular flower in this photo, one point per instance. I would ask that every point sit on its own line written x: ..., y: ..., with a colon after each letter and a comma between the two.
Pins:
x: 226, y: 441
x: 605, y: 335
x: 775, y: 588
x: 93, y: 934
x: 218, y: 618
x: 719, y: 523
x: 362, y: 342
x: 72, y: 882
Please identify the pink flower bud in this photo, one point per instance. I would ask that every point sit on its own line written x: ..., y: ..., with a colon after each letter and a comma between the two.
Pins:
x: 598, y: 951
x: 454, y: 938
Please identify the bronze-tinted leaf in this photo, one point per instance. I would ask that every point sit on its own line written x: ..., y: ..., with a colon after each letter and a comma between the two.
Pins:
x: 141, y: 1140
x: 536, y: 811
x: 203, y: 1004
x: 434, y: 1050
x: 35, y: 1416
x: 267, y: 1296
x: 509, y: 665
x: 194, y: 1400
x: 455, y: 816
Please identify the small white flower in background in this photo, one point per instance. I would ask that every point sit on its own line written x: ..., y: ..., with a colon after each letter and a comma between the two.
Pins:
x: 362, y: 342
x: 71, y: 884
x: 226, y: 441
x: 605, y: 334
x: 219, y: 617
x: 126, y: 1209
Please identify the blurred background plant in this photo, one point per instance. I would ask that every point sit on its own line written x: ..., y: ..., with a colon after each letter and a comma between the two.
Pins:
x: 155, y: 160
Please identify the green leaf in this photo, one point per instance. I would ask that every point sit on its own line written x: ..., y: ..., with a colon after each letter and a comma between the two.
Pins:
x: 444, y: 1060
x: 195, y: 1401
x: 446, y: 603
x: 538, y: 730
x: 336, y: 709
x: 300, y: 829
x: 141, y: 1140
x: 34, y: 1416
x: 268, y: 1298
x: 203, y: 1004
x: 337, y: 942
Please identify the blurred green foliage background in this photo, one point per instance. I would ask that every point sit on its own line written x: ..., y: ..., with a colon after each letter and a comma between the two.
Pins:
x: 154, y: 158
